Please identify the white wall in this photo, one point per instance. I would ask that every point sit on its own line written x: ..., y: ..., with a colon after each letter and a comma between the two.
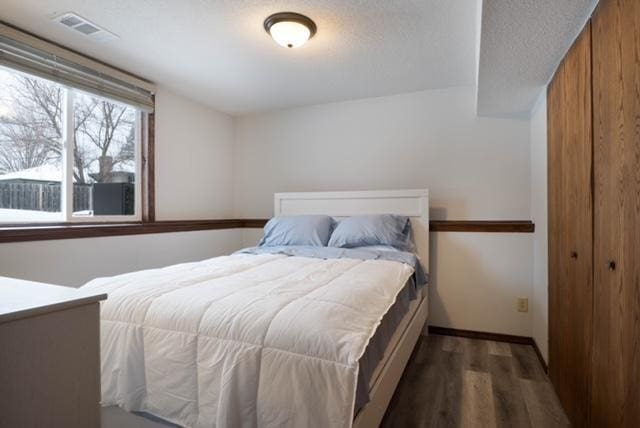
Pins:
x: 193, y: 174
x: 73, y: 262
x: 539, y: 307
x: 475, y: 168
x: 193, y: 160
x: 478, y: 279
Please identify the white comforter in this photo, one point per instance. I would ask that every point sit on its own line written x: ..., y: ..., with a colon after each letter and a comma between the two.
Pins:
x: 243, y: 340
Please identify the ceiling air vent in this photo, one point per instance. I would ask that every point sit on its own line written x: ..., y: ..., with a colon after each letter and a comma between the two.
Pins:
x: 76, y: 22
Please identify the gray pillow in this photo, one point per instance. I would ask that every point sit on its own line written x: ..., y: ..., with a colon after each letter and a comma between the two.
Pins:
x: 312, y: 230
x: 381, y: 229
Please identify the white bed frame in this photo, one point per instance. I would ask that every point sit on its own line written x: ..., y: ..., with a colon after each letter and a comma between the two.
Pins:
x: 415, y: 205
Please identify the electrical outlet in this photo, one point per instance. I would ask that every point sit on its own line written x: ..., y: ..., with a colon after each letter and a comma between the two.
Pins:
x: 523, y: 304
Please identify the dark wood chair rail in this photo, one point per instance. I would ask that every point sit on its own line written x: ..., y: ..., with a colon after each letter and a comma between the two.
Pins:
x: 49, y: 231
x: 499, y: 226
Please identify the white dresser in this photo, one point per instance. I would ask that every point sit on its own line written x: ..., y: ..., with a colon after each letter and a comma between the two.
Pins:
x: 49, y: 355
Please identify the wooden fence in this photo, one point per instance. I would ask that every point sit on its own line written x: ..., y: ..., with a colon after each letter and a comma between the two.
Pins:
x: 42, y: 196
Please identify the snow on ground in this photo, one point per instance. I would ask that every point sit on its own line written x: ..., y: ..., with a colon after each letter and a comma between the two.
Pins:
x: 16, y: 216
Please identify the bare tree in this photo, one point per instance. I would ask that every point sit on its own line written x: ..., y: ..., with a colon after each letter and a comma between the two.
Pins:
x: 22, y: 148
x: 32, y: 134
x: 82, y: 156
x: 104, y: 129
x: 127, y: 151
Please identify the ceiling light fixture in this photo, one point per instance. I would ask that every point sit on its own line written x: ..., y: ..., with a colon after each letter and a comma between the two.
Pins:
x: 289, y: 29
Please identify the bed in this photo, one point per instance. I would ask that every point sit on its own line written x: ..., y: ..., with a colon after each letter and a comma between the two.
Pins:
x: 271, y: 339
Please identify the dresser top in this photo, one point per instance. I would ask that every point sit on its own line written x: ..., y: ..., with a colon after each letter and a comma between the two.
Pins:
x: 23, y: 299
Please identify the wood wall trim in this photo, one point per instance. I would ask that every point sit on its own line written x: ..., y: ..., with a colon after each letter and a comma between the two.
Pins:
x: 495, y: 337
x: 472, y: 334
x: 257, y: 223
x: 54, y: 231
x: 51, y: 231
x: 487, y: 226
x: 544, y: 364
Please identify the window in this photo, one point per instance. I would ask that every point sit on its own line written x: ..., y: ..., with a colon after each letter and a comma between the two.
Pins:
x: 66, y: 155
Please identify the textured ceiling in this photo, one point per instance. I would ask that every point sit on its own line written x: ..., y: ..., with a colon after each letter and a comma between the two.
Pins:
x: 216, y: 52
x: 522, y: 43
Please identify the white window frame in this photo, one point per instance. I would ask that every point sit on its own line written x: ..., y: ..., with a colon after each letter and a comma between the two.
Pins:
x: 67, y: 179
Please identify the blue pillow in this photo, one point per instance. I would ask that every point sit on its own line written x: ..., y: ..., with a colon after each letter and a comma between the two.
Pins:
x: 382, y: 229
x: 312, y: 230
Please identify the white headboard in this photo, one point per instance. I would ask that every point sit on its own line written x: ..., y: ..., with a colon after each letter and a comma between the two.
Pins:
x: 412, y: 203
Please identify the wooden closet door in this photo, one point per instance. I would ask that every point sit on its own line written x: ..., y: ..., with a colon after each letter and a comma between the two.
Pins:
x: 570, y: 229
x: 616, y: 103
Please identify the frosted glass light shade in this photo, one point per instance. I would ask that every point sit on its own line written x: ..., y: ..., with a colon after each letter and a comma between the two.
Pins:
x: 290, y: 29
x: 290, y: 34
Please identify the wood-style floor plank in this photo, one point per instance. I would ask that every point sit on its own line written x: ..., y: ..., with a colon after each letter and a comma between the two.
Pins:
x: 450, y: 404
x: 477, y: 407
x: 452, y: 343
x: 542, y: 404
x: 526, y: 363
x: 499, y: 348
x: 510, y: 408
x: 476, y: 354
x: 460, y: 382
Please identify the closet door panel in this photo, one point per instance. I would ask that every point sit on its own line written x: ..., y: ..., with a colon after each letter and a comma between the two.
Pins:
x: 570, y: 229
x: 578, y: 228
x: 558, y: 275
x: 616, y: 83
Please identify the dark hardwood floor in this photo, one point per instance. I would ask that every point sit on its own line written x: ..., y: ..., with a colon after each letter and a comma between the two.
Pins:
x: 460, y: 382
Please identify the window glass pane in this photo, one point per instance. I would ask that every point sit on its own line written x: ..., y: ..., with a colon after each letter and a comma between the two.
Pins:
x: 104, y: 157
x: 30, y: 148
